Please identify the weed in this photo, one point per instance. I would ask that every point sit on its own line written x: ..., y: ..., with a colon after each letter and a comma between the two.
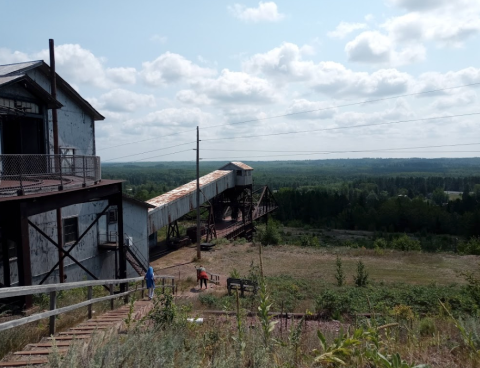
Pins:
x: 339, y: 274
x: 361, y: 278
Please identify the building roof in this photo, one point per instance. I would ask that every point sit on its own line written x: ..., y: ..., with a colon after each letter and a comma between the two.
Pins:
x: 136, y: 201
x: 11, y: 70
x: 33, y: 87
x: 187, y: 189
x: 238, y: 164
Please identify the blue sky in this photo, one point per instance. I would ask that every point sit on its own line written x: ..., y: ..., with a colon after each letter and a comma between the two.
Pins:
x: 157, y: 68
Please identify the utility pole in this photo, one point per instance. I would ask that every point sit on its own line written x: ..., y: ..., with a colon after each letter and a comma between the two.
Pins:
x: 56, y: 151
x: 199, y: 253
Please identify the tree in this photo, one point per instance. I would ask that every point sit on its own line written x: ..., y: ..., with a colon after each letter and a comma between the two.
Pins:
x: 339, y: 274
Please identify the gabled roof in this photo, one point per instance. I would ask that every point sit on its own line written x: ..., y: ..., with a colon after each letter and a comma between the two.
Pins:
x: 33, y: 87
x: 238, y: 164
x: 21, y: 68
x: 136, y: 201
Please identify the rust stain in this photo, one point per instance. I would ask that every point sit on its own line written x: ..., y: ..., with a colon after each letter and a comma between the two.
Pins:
x: 187, y: 189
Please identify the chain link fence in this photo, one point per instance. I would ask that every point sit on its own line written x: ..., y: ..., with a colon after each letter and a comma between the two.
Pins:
x: 27, y: 174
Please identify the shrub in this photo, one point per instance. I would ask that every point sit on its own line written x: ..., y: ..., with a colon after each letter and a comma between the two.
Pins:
x: 426, y: 327
x: 339, y: 274
x: 470, y: 247
x: 361, y: 278
x: 208, y: 300
x: 406, y: 243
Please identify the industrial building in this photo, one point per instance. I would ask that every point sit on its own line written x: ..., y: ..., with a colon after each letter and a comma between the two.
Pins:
x: 60, y: 221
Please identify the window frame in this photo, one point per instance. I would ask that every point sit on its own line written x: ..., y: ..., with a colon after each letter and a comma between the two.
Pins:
x: 75, y: 233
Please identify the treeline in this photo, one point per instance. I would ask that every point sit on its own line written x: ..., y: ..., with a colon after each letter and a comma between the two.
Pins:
x: 363, y: 208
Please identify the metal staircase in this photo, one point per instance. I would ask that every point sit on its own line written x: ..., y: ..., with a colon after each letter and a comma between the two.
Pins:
x: 134, y: 257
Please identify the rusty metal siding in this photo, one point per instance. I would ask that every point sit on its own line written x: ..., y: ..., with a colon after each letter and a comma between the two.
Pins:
x: 75, y: 127
x: 178, y: 202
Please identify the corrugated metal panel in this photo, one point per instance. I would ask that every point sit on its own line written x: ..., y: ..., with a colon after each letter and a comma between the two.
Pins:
x: 178, y: 202
x: 242, y: 165
x: 18, y: 67
x: 6, y: 80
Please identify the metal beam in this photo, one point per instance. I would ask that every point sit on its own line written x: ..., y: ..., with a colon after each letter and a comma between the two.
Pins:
x: 67, y: 252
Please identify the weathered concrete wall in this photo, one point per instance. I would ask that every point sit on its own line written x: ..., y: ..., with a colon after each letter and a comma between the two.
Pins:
x: 44, y: 255
x: 75, y: 129
x: 135, y: 220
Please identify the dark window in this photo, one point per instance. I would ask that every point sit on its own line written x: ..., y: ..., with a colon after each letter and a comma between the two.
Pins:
x: 112, y: 216
x: 239, y: 172
x: 70, y: 229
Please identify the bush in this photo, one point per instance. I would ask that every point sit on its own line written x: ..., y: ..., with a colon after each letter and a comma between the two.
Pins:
x: 361, y: 278
x: 426, y: 327
x: 208, y: 300
x: 470, y: 247
x: 405, y: 243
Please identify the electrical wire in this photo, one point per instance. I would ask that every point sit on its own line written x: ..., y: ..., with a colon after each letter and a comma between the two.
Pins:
x: 323, y: 152
x: 168, y: 154
x: 344, y: 105
x: 142, y: 153
x: 148, y: 139
x: 301, y: 112
x: 340, y: 128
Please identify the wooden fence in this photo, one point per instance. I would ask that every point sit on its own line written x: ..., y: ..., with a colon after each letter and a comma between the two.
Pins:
x: 52, y: 289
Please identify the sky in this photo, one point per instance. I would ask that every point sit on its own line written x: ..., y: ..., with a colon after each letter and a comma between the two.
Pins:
x: 268, y: 80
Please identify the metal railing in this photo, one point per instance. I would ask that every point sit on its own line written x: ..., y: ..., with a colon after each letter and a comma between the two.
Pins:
x: 26, y: 174
x: 53, y: 289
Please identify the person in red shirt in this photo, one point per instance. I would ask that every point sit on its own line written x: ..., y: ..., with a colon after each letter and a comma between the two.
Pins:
x: 202, y: 276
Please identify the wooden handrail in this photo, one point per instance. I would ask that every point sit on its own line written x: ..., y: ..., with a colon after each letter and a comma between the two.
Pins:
x: 53, y: 288
x: 9, y: 292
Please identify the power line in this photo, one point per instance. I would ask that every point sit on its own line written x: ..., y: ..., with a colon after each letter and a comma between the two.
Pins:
x: 302, y: 112
x: 168, y: 154
x: 344, y: 105
x: 148, y: 139
x: 339, y: 128
x: 352, y: 151
x: 328, y: 153
x: 142, y: 153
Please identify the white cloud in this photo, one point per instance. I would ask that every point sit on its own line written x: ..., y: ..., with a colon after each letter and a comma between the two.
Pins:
x: 122, y: 75
x: 237, y: 88
x: 121, y: 100
x: 166, y: 120
x: 159, y: 38
x: 191, y: 97
x: 286, y: 64
x: 448, y: 23
x: 455, y: 100
x: 265, y: 12
x: 369, y: 47
x: 324, y: 109
x: 9, y: 57
x: 372, y: 47
x: 369, y: 17
x: 171, y: 68
x: 344, y: 28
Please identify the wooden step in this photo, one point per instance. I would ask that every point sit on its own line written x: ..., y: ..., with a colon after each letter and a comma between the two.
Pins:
x: 71, y: 337
x: 50, y: 344
x: 39, y: 352
x: 23, y: 363
x: 88, y: 328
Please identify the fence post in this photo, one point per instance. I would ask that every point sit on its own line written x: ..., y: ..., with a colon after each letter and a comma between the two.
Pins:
x: 112, y: 306
x: 84, y: 173
x: 20, y: 191
x: 89, y: 297
x: 163, y: 286
x: 60, y: 187
x: 127, y: 297
x: 143, y: 289
x: 173, y: 286
x: 53, y: 306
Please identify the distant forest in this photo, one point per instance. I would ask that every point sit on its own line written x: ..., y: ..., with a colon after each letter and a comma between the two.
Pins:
x: 389, y: 195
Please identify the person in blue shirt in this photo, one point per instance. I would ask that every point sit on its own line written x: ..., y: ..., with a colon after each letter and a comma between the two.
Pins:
x: 149, y: 278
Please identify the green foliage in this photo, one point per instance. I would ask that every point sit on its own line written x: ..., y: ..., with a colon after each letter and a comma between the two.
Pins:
x: 422, y: 299
x: 208, y: 299
x: 361, y: 278
x: 164, y: 310
x: 405, y: 243
x: 269, y: 235
x: 339, y: 274
x: 234, y: 274
x: 427, y: 327
x: 472, y: 246
x: 309, y: 241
